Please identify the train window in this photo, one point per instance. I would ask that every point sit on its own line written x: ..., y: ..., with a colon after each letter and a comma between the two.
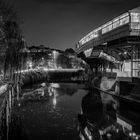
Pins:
x: 116, y: 24
x: 107, y: 29
x: 92, y: 36
x: 135, y: 17
x: 82, y: 42
x: 124, y: 20
x: 104, y: 30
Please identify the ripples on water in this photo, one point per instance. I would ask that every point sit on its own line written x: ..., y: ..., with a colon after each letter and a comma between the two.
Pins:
x: 68, y: 112
x: 51, y: 118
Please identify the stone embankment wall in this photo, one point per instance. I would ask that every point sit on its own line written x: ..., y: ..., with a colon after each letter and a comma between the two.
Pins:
x: 6, y: 102
x: 107, y: 85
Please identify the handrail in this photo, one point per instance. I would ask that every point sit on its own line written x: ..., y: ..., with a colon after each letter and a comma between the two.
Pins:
x: 118, y: 96
x: 95, y: 33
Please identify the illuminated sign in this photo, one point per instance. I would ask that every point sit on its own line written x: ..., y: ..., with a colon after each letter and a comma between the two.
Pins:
x: 88, y: 52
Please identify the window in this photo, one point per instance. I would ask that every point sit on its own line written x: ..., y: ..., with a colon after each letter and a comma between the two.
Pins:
x: 135, y: 25
x: 82, y: 41
x: 124, y: 20
x: 116, y: 24
x: 135, y: 17
x: 135, y: 20
x: 107, y: 27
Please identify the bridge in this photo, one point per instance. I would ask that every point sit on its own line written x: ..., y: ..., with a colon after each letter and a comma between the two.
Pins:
x: 117, y: 42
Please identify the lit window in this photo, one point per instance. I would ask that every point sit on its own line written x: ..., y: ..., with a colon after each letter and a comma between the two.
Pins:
x: 107, y: 27
x: 135, y: 17
x: 83, y: 41
x: 104, y: 30
x: 92, y: 36
x: 124, y: 20
x: 135, y: 25
x: 116, y: 24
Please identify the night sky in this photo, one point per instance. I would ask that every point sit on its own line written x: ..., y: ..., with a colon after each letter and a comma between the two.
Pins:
x: 61, y: 24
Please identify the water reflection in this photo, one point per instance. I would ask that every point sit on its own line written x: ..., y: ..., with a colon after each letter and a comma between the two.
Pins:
x: 107, y: 118
x: 56, y: 111
x: 51, y: 115
x: 90, y: 117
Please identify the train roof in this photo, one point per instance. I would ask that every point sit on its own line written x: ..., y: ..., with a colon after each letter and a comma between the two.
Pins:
x: 94, y: 33
x: 137, y: 10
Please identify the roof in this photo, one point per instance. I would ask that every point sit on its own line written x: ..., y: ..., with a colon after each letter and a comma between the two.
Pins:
x: 43, y: 48
x: 137, y: 10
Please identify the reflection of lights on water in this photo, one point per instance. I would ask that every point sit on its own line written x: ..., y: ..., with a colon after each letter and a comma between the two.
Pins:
x: 81, y: 111
x: 56, y: 85
x: 88, y: 133
x: 54, y: 101
x: 52, y: 92
x: 19, y: 104
x: 81, y: 136
x: 117, y: 130
x: 43, y: 93
x: 109, y: 135
x: 43, y: 84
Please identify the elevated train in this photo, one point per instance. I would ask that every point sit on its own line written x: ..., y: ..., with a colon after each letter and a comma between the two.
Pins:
x: 127, y: 24
x: 117, y: 43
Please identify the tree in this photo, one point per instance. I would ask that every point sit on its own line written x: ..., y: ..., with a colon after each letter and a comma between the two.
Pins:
x: 8, y: 12
x: 63, y: 61
x: 11, y: 39
x: 69, y: 51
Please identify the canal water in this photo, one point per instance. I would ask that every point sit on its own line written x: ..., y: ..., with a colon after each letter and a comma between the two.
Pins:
x: 47, y: 112
x: 67, y: 111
